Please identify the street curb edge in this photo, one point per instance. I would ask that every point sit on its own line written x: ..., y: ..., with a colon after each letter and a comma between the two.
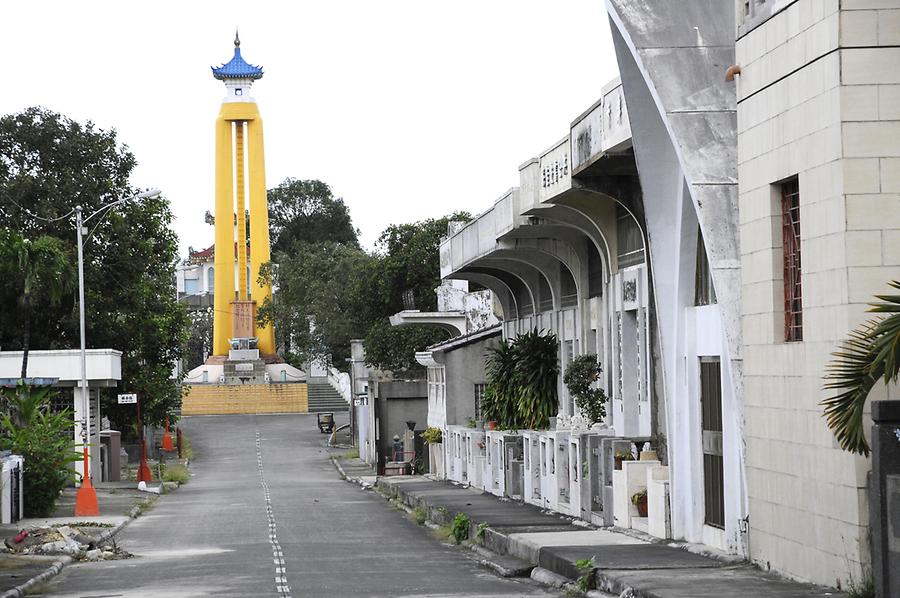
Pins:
x: 21, y: 590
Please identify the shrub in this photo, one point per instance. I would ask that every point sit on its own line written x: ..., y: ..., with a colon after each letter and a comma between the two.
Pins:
x: 433, y: 435
x: 460, y: 528
x: 579, y: 378
x: 44, y: 439
x: 522, y: 375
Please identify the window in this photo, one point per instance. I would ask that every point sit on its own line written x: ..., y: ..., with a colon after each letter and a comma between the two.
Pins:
x: 479, y: 394
x: 569, y: 291
x: 210, y: 280
x: 190, y: 286
x: 790, y: 232
x: 238, y: 91
x: 545, y: 301
x: 704, y: 292
x: 595, y: 271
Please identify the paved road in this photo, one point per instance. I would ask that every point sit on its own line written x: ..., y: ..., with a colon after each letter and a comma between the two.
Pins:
x: 212, y: 537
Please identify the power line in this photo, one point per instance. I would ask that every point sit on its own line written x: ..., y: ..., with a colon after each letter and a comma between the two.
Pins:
x: 36, y: 217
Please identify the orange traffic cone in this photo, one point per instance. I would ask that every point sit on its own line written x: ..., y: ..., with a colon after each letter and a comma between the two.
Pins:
x: 167, y: 439
x: 86, y: 497
x: 143, y: 473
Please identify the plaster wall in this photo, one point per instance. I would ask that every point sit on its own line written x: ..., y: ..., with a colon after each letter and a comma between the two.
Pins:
x: 466, y: 365
x: 818, y: 99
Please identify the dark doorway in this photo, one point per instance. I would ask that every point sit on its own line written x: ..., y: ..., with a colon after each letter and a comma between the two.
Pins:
x: 713, y: 465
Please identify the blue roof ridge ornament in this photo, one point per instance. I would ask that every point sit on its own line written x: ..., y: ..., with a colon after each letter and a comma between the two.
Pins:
x: 237, y: 67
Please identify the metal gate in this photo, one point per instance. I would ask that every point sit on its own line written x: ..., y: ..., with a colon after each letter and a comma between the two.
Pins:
x: 15, y: 493
x: 713, y: 465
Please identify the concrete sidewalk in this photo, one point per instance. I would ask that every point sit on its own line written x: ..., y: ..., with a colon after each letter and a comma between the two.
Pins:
x: 622, y: 561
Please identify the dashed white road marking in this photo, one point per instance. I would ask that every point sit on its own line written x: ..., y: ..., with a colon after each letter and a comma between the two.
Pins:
x: 281, y: 583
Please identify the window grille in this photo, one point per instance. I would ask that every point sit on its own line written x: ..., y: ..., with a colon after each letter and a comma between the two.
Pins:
x: 713, y: 460
x: 790, y: 228
x: 479, y: 394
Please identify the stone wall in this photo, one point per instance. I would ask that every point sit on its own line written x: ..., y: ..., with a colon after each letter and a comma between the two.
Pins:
x: 812, y: 106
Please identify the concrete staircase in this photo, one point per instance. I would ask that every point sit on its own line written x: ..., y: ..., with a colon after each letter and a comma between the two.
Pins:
x: 323, y: 397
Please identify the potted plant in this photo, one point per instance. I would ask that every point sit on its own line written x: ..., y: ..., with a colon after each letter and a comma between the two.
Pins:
x: 433, y: 435
x: 639, y: 499
x: 622, y: 456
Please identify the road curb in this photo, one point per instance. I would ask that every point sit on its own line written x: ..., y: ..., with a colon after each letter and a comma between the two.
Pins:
x: 21, y: 590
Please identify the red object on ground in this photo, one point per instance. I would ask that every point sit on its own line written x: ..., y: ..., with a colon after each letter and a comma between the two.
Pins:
x: 167, y: 439
x: 86, y: 497
x: 143, y: 473
x: 21, y: 536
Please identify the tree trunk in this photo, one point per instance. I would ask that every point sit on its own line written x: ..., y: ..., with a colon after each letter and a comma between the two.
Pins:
x: 26, y: 337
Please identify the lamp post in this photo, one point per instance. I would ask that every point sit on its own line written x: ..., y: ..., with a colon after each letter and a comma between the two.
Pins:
x: 86, y: 497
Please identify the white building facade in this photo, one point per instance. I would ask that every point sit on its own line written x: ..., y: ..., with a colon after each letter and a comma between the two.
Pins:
x: 664, y: 233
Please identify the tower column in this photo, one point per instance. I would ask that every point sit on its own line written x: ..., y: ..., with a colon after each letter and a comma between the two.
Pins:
x: 259, y: 229
x: 241, y: 211
x: 224, y: 252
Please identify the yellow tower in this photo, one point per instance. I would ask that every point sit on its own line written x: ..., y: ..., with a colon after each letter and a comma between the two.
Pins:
x: 240, y: 171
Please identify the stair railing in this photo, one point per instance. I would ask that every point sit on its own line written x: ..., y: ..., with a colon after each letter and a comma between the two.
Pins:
x: 340, y: 381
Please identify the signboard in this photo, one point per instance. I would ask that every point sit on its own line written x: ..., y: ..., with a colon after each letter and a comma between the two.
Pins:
x: 127, y: 399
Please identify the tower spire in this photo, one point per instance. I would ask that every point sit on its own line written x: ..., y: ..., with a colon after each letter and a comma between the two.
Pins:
x: 237, y: 39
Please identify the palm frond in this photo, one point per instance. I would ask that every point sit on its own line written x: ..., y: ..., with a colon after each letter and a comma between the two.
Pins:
x: 870, y: 353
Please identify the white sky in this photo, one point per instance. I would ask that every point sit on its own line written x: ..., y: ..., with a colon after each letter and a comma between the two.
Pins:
x: 409, y: 109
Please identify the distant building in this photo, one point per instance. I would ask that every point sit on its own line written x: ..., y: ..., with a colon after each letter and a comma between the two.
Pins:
x: 195, y: 277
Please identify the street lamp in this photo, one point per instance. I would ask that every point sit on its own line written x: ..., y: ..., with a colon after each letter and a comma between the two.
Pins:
x: 86, y: 497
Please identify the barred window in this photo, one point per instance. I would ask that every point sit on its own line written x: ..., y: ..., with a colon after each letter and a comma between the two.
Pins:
x: 790, y: 228
x: 479, y: 393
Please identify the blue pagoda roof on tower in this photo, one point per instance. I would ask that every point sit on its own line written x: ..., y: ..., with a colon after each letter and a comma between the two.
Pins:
x: 237, y: 67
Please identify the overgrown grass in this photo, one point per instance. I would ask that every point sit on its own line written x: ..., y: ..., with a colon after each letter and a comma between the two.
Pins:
x: 186, y: 450
x: 864, y: 588
x: 443, y: 533
x: 176, y: 472
x: 418, y: 515
x: 145, y: 506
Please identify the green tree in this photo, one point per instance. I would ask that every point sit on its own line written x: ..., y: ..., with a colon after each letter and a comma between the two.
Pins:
x: 51, y: 164
x: 408, y: 262
x: 394, y: 348
x: 41, y: 268
x: 316, y: 310
x: 199, y: 343
x: 871, y: 353
x: 305, y: 211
